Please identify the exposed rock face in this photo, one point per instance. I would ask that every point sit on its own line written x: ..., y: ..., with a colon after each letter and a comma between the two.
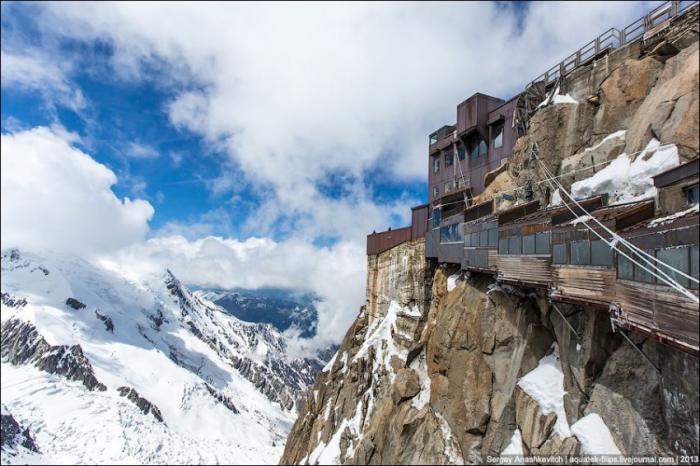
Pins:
x: 280, y: 380
x: 431, y: 376
x: 74, y: 304
x: 143, y: 404
x: 109, y: 325
x: 21, y: 343
x: 221, y: 398
x: 12, y: 435
x: 646, y: 89
x: 457, y: 399
x: 10, y: 301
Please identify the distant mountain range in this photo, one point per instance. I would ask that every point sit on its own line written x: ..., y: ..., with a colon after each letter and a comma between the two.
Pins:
x: 282, y: 308
x: 98, y: 368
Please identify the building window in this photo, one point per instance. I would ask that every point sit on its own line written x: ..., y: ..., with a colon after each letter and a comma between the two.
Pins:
x: 433, y: 139
x: 460, y: 182
x: 449, y: 158
x: 493, y: 237
x: 436, y: 192
x: 678, y: 259
x: 580, y: 253
x: 452, y: 233
x: 559, y: 254
x: 436, y: 217
x: 436, y: 164
x: 625, y: 268
x: 475, y: 239
x: 498, y: 136
x: 601, y: 253
x: 693, y: 194
x: 503, y: 246
x: 448, y: 186
x: 694, y: 263
x: 483, y: 148
x: 529, y: 244
x: 484, y: 239
x: 514, y: 245
x: 461, y: 152
x: 542, y: 242
x: 642, y: 275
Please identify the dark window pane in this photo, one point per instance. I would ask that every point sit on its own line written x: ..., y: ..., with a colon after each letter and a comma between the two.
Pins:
x: 503, y: 246
x: 514, y: 245
x: 436, y: 218
x: 436, y: 191
x: 493, y: 237
x: 461, y: 152
x: 625, y: 268
x: 601, y: 253
x: 693, y: 194
x: 529, y: 244
x: 542, y: 243
x: 436, y: 164
x: 642, y: 275
x: 474, y: 151
x: 482, y: 258
x: 678, y: 259
x: 580, y: 253
x: 475, y: 239
x: 433, y: 139
x: 483, y: 148
x: 449, y: 158
x: 451, y: 233
x: 498, y: 136
x: 484, y: 239
x: 559, y: 254
x: 694, y: 259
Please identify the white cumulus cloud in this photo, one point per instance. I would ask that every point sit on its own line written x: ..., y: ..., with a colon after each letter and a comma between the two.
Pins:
x: 54, y: 196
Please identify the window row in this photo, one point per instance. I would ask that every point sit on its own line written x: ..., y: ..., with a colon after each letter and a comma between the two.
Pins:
x: 452, y: 233
x: 530, y: 244
x: 582, y: 253
x: 476, y: 148
x: 683, y: 258
x: 482, y: 239
x: 477, y: 258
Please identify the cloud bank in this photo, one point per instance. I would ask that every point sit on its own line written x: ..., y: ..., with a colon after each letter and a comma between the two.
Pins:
x: 54, y: 196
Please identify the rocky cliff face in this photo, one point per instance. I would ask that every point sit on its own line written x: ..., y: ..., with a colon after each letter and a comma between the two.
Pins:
x: 618, y: 104
x: 483, y: 369
x: 441, y: 368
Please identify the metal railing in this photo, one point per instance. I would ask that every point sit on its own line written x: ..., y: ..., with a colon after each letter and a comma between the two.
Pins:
x: 614, y: 38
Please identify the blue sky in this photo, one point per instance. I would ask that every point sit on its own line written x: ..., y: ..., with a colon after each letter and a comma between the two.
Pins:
x: 250, y: 144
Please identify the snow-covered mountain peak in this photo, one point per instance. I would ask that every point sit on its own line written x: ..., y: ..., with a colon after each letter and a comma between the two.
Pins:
x: 100, y: 368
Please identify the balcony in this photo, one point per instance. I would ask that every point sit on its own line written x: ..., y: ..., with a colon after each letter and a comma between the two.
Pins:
x: 441, y: 139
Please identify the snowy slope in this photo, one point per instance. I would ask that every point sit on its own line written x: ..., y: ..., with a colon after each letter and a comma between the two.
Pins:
x: 129, y: 372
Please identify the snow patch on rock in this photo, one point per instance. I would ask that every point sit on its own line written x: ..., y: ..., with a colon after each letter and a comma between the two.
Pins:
x: 594, y: 436
x: 452, y: 281
x: 628, y: 179
x: 545, y: 385
x: 515, y: 446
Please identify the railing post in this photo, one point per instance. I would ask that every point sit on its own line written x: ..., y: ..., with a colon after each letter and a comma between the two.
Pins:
x: 578, y: 57
x: 597, y: 45
x: 675, y: 6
